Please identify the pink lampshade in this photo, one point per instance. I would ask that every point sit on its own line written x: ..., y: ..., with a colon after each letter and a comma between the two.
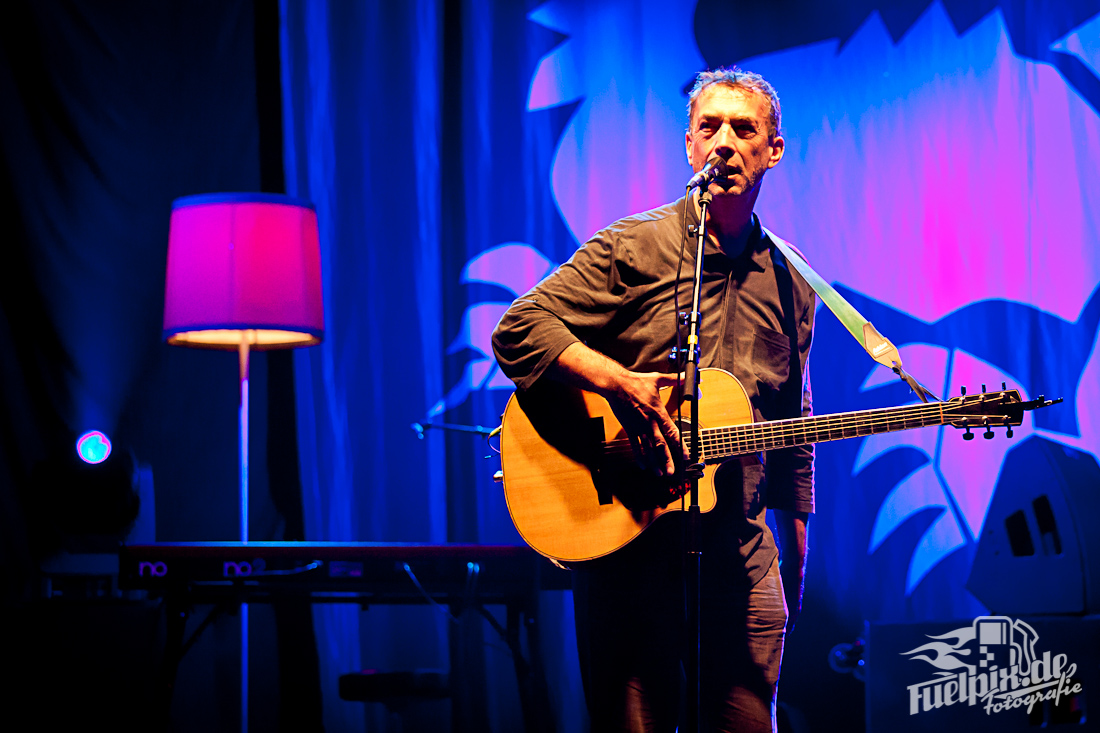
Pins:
x: 243, y: 267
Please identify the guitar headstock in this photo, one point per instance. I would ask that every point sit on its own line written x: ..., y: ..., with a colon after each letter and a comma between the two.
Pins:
x: 989, y: 410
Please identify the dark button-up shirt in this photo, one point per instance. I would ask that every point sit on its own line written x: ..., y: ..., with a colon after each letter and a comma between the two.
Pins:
x: 616, y: 294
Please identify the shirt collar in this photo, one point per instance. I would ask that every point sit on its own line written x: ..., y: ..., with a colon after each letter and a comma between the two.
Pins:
x: 757, y: 253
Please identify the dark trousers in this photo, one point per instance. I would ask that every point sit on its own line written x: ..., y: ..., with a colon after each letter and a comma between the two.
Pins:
x: 630, y: 636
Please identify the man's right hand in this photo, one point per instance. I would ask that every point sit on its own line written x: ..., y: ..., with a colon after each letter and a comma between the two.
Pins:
x: 635, y: 399
x: 653, y: 435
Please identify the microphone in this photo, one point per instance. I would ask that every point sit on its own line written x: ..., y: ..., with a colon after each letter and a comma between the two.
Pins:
x: 715, y: 168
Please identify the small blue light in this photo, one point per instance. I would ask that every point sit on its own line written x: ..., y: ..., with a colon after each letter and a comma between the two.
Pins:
x: 93, y: 447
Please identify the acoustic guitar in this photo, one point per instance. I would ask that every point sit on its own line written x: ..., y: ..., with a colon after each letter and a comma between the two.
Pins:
x: 575, y: 492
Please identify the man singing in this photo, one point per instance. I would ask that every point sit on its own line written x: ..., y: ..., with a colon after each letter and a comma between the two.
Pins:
x: 606, y: 322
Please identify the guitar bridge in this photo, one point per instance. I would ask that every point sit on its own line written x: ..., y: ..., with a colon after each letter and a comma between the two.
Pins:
x: 602, y: 478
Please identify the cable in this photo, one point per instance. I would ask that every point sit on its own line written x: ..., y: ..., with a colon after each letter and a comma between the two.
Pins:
x: 294, y: 571
x: 676, y: 327
x: 472, y: 569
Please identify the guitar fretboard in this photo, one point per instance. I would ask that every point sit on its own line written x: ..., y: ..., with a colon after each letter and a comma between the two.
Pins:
x: 737, y: 440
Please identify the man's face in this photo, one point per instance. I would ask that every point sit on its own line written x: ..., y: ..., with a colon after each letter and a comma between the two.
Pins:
x: 733, y: 123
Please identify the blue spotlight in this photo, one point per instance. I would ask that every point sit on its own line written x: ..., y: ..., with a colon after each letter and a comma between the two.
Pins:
x: 93, y: 447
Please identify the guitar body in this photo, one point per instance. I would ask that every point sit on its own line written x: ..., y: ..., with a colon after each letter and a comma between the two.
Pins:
x: 573, y: 490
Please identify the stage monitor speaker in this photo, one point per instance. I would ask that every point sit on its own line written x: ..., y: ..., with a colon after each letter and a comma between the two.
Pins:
x: 1039, y: 551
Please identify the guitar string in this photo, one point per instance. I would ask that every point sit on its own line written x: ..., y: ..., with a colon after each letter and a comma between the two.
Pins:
x: 751, y: 437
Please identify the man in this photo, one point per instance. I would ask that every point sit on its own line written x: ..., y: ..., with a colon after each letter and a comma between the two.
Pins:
x: 606, y: 322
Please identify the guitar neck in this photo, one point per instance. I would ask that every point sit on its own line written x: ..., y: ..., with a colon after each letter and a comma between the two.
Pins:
x: 738, y: 440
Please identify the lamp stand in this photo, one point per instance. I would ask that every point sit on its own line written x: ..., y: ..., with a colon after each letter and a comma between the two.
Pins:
x: 243, y: 357
x: 243, y: 353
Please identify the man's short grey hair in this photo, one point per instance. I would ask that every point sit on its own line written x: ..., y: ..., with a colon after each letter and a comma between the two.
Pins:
x: 735, y: 78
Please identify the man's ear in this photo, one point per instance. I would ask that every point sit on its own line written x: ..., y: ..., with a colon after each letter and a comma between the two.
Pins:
x: 687, y: 148
x: 778, y: 146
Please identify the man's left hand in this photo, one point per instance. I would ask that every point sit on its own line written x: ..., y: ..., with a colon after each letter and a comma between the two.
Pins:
x: 792, y: 528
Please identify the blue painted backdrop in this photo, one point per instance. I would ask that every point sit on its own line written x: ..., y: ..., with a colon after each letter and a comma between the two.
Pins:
x: 942, y: 170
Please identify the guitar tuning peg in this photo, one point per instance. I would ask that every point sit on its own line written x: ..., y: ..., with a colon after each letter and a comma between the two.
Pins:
x: 968, y: 435
x: 962, y: 391
x: 983, y: 389
x: 1008, y: 433
x: 988, y: 434
x: 1004, y: 386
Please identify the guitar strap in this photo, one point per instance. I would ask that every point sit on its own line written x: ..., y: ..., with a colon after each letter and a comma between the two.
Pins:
x: 877, y: 346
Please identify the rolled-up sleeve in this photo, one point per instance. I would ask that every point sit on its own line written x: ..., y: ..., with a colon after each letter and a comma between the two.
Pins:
x: 803, y: 459
x: 572, y: 303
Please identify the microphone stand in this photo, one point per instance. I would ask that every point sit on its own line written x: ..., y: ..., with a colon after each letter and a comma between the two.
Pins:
x: 692, y: 541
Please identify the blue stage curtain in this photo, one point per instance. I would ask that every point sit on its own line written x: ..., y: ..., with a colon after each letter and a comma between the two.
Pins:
x: 399, y: 128
x: 362, y: 142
